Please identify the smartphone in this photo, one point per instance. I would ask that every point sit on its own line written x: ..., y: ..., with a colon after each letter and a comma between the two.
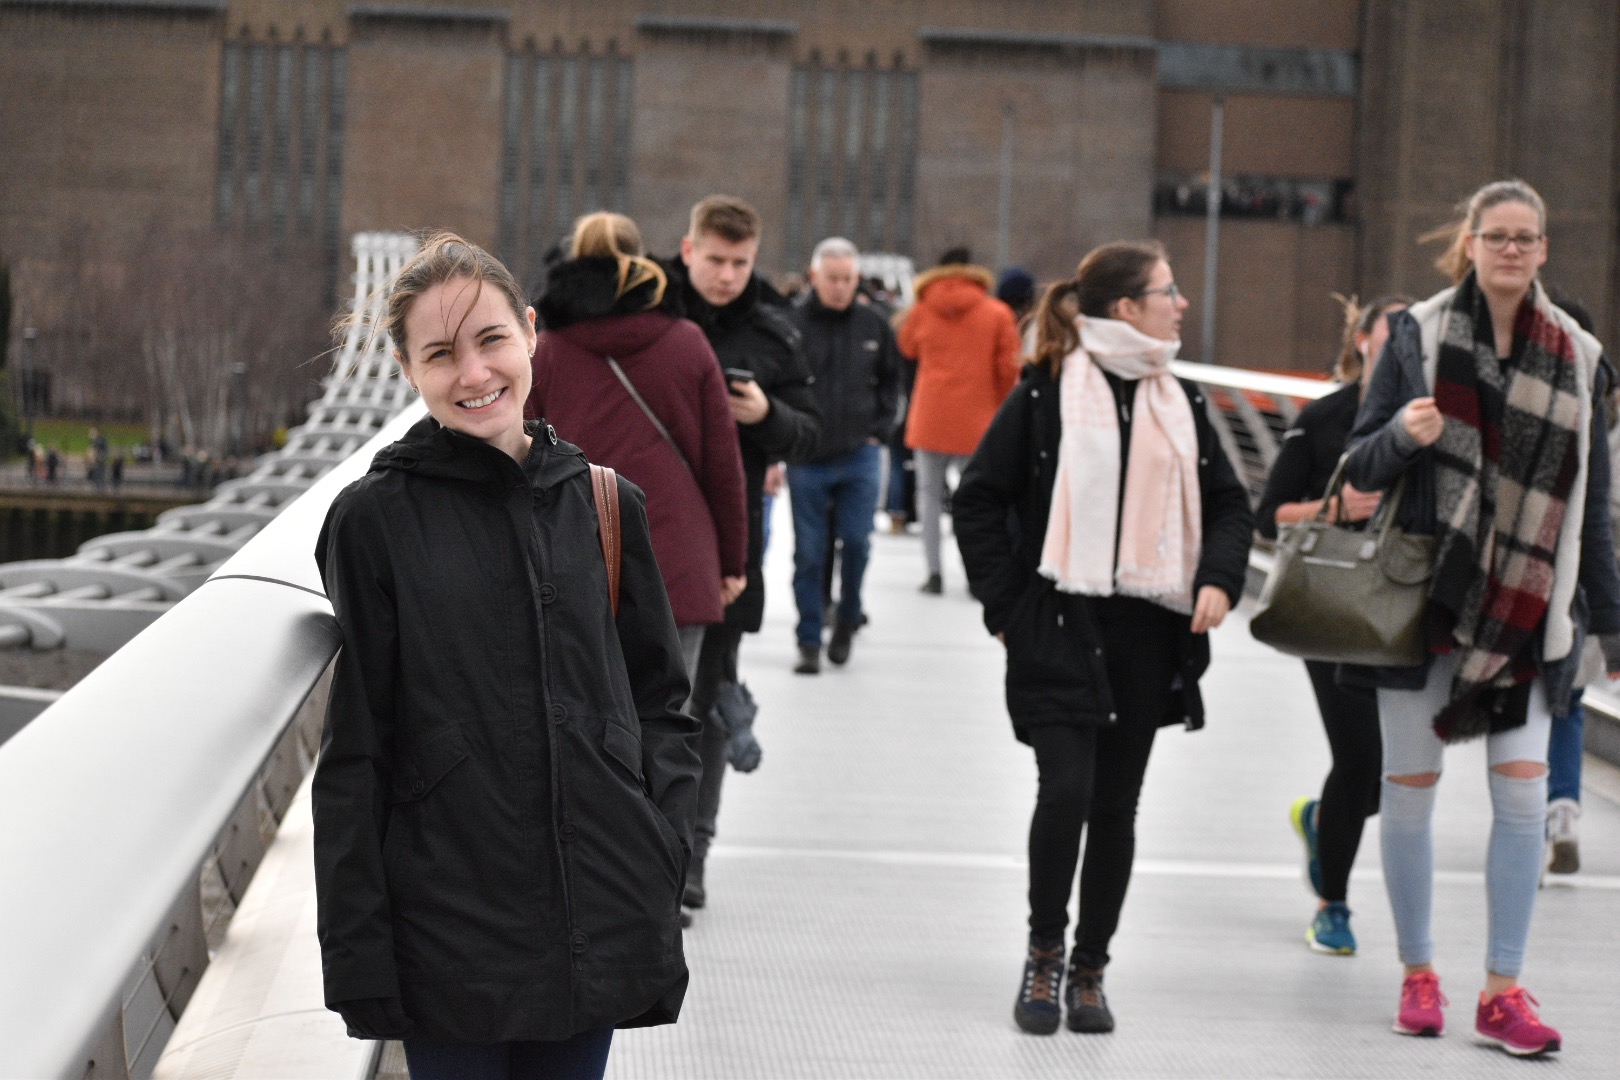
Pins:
x: 737, y: 374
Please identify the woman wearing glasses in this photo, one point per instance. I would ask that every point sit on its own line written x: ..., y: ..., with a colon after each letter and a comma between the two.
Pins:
x: 1103, y: 603
x: 1488, y: 400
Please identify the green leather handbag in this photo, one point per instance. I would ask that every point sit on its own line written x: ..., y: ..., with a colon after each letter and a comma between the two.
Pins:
x: 1344, y: 595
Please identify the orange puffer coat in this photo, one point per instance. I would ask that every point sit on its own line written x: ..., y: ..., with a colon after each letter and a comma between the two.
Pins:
x: 965, y: 342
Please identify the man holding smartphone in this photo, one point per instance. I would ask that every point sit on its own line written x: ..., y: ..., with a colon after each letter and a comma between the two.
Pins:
x: 856, y: 367
x: 713, y: 283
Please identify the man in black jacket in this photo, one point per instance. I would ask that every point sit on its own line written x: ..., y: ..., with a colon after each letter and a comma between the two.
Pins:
x: 713, y: 283
x: 856, y: 366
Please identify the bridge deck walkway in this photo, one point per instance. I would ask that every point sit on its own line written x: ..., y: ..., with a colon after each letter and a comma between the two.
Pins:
x: 866, y: 912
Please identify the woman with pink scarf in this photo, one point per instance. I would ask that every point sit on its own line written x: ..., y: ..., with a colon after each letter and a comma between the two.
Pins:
x: 1105, y: 533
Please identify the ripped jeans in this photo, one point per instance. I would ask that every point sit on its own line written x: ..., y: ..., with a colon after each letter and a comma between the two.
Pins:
x: 1518, y: 820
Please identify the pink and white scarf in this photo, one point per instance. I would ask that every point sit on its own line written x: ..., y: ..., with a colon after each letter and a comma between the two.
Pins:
x: 1161, y: 532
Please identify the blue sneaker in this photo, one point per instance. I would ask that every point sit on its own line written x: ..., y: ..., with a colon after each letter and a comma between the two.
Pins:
x: 1303, y: 816
x: 1330, y: 931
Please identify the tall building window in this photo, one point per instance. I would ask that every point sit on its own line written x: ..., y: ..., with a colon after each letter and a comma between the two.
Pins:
x: 279, y: 165
x: 565, y: 147
x: 852, y: 153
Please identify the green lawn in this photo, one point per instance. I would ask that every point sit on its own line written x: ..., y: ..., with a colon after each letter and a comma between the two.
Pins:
x: 73, y: 436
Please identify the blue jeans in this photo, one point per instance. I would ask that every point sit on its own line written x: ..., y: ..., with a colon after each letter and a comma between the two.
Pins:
x: 848, y: 485
x: 1564, y: 753
x: 583, y: 1057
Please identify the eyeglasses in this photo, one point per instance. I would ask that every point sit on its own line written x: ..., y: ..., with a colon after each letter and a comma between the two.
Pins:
x: 1498, y: 241
x: 1172, y: 290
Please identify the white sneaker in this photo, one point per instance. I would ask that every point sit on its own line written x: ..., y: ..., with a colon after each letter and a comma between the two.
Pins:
x: 1562, y: 836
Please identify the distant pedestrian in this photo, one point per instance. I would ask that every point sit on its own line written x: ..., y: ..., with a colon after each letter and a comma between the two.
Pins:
x: 1488, y: 398
x: 965, y: 344
x: 504, y: 797
x: 118, y: 471
x: 1016, y: 288
x: 1331, y: 825
x: 1105, y: 532
x: 856, y: 366
x: 53, y: 464
x: 640, y: 391
x: 714, y: 284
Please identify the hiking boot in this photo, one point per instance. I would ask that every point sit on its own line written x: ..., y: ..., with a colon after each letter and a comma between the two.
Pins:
x: 809, y: 660
x: 1303, y: 817
x: 843, y: 636
x: 1330, y: 932
x: 1421, y: 1000
x: 1562, y: 836
x: 1509, y: 1020
x: 694, y: 895
x: 1037, y: 1010
x: 1084, y: 1002
x: 934, y: 586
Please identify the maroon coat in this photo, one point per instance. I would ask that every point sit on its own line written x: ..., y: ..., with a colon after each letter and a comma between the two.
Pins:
x: 698, y: 517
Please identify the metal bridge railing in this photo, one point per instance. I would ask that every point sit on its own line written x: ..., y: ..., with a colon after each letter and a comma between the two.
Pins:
x: 138, y: 804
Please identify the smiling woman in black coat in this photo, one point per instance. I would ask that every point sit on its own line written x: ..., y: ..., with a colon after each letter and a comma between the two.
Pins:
x: 1101, y: 650
x: 504, y: 799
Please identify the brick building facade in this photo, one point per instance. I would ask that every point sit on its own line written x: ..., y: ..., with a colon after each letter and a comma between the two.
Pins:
x: 1027, y: 129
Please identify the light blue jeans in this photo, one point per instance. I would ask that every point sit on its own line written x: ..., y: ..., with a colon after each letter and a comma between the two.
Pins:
x: 1518, y: 819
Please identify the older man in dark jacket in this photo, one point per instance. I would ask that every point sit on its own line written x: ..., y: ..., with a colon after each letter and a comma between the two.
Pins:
x: 856, y: 365
x: 713, y: 283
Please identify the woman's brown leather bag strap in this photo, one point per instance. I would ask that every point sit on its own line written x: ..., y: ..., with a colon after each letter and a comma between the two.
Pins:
x: 605, y: 494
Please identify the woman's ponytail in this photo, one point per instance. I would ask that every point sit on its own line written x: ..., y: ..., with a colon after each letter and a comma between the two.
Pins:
x: 608, y: 235
x: 1056, y: 335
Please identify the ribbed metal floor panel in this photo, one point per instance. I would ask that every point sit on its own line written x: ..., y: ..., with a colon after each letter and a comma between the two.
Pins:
x: 866, y: 913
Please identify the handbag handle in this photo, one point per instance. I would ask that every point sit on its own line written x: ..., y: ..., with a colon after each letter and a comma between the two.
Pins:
x: 1383, y: 519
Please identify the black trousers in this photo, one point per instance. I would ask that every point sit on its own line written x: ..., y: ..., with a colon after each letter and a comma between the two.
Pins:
x: 1091, y: 781
x: 1350, y: 792
x: 717, y: 665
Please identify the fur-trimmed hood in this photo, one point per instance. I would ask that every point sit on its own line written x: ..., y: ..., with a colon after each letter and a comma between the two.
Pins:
x: 587, y: 288
x: 953, y: 288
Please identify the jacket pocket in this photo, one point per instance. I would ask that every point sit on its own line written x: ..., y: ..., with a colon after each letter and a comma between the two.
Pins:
x: 419, y: 771
x: 1055, y: 662
x: 624, y: 746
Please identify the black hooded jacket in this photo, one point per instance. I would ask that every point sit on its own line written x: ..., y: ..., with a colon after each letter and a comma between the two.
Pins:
x: 506, y: 789
x: 754, y: 333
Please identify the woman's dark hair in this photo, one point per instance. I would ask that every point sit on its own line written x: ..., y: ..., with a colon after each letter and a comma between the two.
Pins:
x: 1107, y: 274
x: 1360, y: 319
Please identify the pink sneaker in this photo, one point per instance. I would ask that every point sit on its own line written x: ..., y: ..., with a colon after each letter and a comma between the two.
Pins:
x: 1420, y: 1006
x: 1509, y: 1020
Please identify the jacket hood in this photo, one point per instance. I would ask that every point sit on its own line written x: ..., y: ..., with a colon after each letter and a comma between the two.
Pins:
x: 578, y: 290
x: 953, y: 288
x: 431, y: 449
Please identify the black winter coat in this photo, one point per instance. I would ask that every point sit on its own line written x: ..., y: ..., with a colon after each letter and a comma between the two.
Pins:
x: 1310, y: 451
x: 1056, y: 670
x: 506, y: 790
x: 754, y: 333
x: 856, y: 366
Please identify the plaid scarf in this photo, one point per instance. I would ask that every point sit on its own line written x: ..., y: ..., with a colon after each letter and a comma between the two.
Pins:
x: 1505, y: 464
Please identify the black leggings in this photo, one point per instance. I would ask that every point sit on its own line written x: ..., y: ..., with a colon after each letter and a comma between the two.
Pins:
x: 1350, y: 793
x: 1091, y: 778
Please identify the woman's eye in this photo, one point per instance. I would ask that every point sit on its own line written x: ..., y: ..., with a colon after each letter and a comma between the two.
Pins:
x: 493, y: 338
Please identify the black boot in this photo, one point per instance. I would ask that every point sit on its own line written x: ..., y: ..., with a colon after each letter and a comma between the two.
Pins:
x: 934, y: 586
x: 694, y: 896
x: 843, y: 636
x: 809, y: 660
x: 1037, y: 1010
x: 1084, y: 1002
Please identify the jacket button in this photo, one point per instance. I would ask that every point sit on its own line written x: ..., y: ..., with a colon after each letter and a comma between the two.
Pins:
x: 557, y: 713
x: 551, y: 434
x: 1203, y: 461
x: 1098, y: 651
x: 548, y: 593
x: 417, y: 787
x: 1113, y: 716
x: 568, y: 832
x: 578, y: 942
